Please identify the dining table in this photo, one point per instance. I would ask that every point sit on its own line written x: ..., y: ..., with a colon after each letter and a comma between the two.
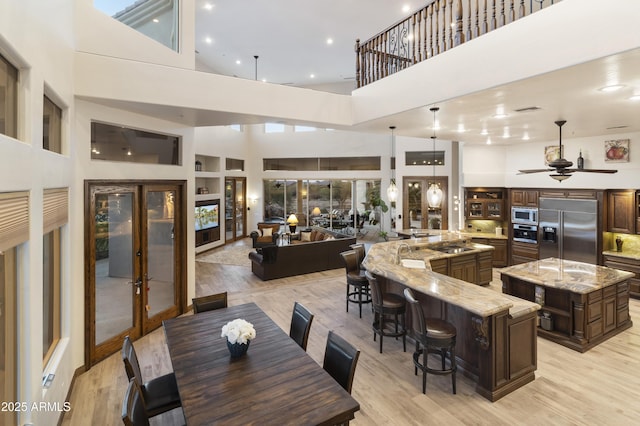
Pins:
x: 275, y: 382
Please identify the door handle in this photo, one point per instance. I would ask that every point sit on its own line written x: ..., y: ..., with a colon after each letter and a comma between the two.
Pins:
x: 137, y: 283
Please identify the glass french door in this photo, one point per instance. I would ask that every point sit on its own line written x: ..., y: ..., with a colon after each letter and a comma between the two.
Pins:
x: 134, y: 280
x: 234, y: 205
x: 417, y: 213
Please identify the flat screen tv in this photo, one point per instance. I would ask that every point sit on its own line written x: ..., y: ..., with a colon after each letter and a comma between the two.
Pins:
x: 207, y: 214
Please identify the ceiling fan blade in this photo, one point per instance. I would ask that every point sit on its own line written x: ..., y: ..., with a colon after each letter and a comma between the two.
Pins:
x: 524, y: 172
x: 595, y: 170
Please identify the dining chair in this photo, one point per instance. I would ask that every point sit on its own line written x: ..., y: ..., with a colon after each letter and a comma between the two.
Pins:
x: 209, y: 303
x: 340, y: 360
x: 160, y: 394
x: 301, y: 320
x: 432, y: 335
x: 134, y: 412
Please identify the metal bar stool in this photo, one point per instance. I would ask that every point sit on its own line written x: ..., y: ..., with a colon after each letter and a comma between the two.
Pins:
x: 384, y: 306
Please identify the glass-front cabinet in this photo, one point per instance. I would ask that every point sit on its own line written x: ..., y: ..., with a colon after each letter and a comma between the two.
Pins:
x: 485, y: 203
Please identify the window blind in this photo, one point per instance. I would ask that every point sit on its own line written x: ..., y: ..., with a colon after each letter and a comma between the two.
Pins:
x: 14, y: 219
x: 55, y: 208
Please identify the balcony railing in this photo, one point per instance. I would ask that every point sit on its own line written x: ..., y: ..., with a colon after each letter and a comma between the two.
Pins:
x: 436, y: 28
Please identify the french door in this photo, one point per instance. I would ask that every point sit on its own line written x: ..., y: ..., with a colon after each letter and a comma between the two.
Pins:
x: 417, y: 213
x: 134, y: 241
x: 234, y: 206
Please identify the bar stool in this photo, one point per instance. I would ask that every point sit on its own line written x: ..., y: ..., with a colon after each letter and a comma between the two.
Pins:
x: 360, y: 253
x: 386, y: 305
x: 357, y: 283
x: 435, y: 336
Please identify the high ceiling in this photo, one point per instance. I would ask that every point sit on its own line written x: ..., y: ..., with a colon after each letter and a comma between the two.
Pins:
x: 290, y: 39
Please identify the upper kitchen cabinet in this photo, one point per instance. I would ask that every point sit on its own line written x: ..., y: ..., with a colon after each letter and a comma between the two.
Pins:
x: 485, y: 203
x: 524, y: 197
x: 621, y: 211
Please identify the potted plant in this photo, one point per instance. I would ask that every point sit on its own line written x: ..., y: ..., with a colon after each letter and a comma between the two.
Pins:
x: 239, y: 334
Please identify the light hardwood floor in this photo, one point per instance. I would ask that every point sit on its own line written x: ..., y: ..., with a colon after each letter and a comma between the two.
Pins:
x: 599, y: 387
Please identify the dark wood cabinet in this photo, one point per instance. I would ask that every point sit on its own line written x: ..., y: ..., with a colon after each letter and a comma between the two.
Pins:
x: 464, y: 267
x: 524, y: 197
x: 473, y: 268
x: 523, y: 252
x: 485, y: 203
x: 580, y: 194
x: 626, y: 264
x: 621, y: 211
x: 500, y: 255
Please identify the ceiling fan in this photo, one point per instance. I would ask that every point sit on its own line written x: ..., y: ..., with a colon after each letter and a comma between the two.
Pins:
x: 561, y: 166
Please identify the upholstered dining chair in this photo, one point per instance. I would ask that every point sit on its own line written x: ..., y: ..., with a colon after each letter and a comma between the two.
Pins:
x: 432, y: 335
x: 388, y: 308
x: 160, y: 394
x: 210, y: 302
x: 340, y: 360
x: 301, y: 320
x: 134, y: 412
x: 357, y: 284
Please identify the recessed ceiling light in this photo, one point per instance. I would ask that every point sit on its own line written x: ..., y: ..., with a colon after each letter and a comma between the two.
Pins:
x: 406, y: 8
x: 461, y: 128
x: 238, y: 61
x: 484, y: 132
x: 525, y: 136
x: 505, y: 133
x: 208, y: 6
x: 329, y: 41
x: 635, y: 98
x: 156, y: 20
x: 208, y: 40
x: 611, y: 88
x: 500, y: 115
x: 312, y: 76
x: 488, y: 141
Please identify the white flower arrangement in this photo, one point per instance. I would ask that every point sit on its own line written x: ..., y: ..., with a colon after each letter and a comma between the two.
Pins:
x: 238, y: 331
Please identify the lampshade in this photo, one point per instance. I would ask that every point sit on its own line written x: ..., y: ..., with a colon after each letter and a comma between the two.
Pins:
x: 560, y: 177
x: 392, y: 191
x: 434, y: 195
x: 292, y: 219
x: 316, y: 211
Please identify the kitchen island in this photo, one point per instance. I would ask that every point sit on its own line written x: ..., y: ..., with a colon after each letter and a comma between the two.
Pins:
x: 496, y: 333
x: 582, y: 304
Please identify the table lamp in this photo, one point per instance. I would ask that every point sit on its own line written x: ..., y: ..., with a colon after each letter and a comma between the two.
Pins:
x: 292, y: 220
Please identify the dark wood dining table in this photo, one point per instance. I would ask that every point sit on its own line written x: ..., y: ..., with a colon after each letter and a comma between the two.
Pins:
x: 276, y: 382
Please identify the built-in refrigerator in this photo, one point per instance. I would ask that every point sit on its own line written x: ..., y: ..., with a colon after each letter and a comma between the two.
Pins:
x: 568, y: 229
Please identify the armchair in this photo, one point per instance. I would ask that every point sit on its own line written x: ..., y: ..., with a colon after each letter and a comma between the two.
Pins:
x: 267, y: 234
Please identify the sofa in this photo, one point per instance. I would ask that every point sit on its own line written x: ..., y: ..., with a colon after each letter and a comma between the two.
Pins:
x: 263, y: 238
x: 320, y: 253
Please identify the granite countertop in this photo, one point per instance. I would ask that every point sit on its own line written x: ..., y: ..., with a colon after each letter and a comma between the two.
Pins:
x: 430, y: 233
x: 631, y: 254
x: 577, y: 277
x: 382, y: 260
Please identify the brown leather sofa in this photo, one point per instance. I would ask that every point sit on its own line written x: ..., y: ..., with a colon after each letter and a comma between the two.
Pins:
x: 260, y: 240
x: 272, y: 261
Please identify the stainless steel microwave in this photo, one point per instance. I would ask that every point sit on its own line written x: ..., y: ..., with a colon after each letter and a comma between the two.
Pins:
x: 525, y: 215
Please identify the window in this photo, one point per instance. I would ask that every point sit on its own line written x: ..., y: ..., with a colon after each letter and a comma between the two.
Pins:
x: 324, y: 163
x: 424, y: 158
x: 273, y: 128
x: 50, y: 293
x: 155, y: 19
x: 8, y: 99
x: 234, y: 165
x: 51, y: 126
x: 119, y: 143
x: 304, y: 129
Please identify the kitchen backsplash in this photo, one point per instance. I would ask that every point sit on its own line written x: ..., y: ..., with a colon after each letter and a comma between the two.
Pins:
x: 485, y: 226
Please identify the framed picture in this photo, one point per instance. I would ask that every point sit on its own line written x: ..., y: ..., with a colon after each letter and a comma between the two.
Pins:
x: 616, y: 151
x: 551, y: 153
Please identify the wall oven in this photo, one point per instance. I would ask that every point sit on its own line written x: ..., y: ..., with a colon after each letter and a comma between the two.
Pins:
x: 525, y: 233
x: 524, y: 215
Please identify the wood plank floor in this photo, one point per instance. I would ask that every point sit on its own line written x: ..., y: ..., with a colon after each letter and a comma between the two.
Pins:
x: 599, y: 387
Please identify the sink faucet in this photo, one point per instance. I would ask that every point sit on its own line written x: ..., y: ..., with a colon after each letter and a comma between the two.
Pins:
x: 399, y: 250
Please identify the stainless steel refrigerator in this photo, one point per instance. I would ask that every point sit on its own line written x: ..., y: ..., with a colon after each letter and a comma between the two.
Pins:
x: 568, y: 229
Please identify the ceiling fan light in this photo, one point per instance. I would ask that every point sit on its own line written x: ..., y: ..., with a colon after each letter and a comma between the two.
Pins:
x: 560, y: 177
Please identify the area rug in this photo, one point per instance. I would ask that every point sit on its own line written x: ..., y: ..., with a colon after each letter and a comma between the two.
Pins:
x: 238, y: 256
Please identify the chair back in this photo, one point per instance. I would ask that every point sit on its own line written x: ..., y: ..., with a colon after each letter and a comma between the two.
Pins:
x: 376, y: 293
x: 350, y: 259
x: 134, y: 412
x: 360, y: 252
x: 340, y: 360
x: 130, y: 360
x: 209, y: 303
x: 417, y: 316
x: 301, y: 320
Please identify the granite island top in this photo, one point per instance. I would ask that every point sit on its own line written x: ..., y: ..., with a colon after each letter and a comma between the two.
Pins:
x: 382, y: 259
x: 577, y: 277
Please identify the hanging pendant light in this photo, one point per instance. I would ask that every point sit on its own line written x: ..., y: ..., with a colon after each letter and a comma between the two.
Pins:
x: 434, y: 193
x: 392, y: 190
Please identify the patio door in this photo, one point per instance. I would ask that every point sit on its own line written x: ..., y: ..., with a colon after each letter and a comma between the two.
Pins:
x: 234, y: 207
x: 134, y: 239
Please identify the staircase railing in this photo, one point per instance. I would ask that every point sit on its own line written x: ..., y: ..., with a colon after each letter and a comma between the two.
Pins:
x: 439, y: 26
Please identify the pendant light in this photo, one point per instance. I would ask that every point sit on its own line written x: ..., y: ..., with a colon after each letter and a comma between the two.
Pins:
x: 392, y: 190
x: 434, y: 193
